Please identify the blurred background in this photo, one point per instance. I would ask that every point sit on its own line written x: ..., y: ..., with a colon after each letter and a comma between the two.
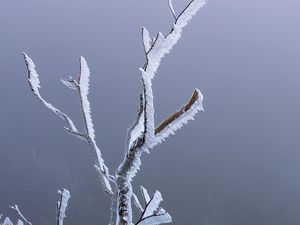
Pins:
x: 238, y: 163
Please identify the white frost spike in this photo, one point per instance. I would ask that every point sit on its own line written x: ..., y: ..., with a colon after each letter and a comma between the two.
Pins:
x: 62, y: 206
x: 188, y: 13
x: 156, y: 219
x: 83, y: 81
x: 34, y: 82
x: 83, y: 87
x: 7, y: 221
x: 183, y: 118
x: 145, y: 195
x: 171, y: 8
x: 146, y: 39
x: 153, y: 204
x: 137, y: 203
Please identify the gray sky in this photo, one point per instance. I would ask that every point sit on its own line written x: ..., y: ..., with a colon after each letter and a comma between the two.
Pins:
x: 236, y: 164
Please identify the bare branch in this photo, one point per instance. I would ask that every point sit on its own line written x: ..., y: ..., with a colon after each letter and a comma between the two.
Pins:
x: 62, y: 206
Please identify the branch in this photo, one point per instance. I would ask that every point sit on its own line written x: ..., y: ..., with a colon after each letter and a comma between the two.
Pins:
x: 16, y: 208
x: 179, y: 118
x: 163, y: 45
x: 139, y: 137
x: 135, y: 132
x: 153, y: 214
x: 147, y: 42
x: 62, y: 206
x: 7, y: 222
x: 137, y: 203
x: 149, y: 131
x: 34, y: 83
x: 172, y: 9
x: 83, y: 87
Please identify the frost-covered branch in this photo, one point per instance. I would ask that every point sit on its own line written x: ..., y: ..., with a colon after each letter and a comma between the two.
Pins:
x: 179, y: 118
x: 152, y: 214
x: 83, y: 89
x: 172, y: 9
x: 82, y: 85
x: 16, y: 208
x: 142, y: 135
x: 61, y: 206
x: 6, y: 221
x: 34, y: 83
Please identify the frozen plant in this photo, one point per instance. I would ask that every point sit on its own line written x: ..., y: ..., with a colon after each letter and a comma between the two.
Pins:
x: 142, y: 135
x: 61, y: 207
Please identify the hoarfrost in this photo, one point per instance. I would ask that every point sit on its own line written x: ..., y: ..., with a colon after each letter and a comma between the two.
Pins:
x: 153, y: 204
x: 34, y: 82
x: 62, y: 206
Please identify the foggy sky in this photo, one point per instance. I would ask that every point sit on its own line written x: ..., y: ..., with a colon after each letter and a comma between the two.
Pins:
x: 238, y: 163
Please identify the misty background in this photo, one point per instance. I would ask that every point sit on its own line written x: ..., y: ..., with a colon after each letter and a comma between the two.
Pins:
x: 238, y: 163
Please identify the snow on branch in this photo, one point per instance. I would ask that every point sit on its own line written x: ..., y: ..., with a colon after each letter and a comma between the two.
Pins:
x: 146, y: 39
x: 152, y: 214
x: 179, y: 118
x: 149, y: 131
x: 163, y: 45
x: 82, y: 85
x: 187, y: 14
x: 172, y: 9
x: 62, y: 206
x: 16, y: 208
x: 34, y: 83
x: 143, y: 135
x: 83, y: 89
x: 6, y: 221
x: 136, y: 131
